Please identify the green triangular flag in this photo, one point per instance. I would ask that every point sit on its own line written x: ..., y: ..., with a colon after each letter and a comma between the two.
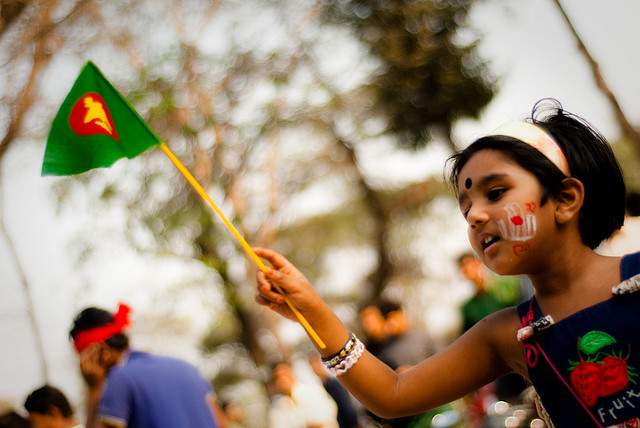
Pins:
x: 94, y: 127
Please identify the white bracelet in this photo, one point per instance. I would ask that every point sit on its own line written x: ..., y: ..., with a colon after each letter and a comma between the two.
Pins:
x: 348, y: 362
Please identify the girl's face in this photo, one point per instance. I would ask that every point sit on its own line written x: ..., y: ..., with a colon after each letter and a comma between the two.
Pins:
x: 501, y: 202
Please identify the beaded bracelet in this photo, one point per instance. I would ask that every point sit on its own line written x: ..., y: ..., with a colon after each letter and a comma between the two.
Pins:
x: 335, y: 359
x: 348, y: 362
x: 346, y: 357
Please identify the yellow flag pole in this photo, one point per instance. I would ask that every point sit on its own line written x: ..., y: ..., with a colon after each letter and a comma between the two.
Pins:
x: 240, y: 239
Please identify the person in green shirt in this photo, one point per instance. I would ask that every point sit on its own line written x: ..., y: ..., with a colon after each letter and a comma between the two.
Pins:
x: 492, y: 292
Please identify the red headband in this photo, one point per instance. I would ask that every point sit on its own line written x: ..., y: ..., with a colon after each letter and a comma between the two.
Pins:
x: 103, y: 332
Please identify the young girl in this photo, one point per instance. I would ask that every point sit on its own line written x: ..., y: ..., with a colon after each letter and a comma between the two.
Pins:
x: 538, y: 197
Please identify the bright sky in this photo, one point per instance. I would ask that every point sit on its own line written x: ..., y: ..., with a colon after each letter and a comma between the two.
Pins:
x: 529, y: 46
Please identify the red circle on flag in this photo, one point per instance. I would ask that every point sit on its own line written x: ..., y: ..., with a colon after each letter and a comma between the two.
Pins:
x: 90, y: 116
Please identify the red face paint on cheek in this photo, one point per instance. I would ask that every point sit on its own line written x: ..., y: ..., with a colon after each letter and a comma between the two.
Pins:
x: 531, y: 206
x: 520, y: 248
x: 517, y: 226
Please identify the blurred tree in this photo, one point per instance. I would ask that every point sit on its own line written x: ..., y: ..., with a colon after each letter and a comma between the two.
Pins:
x: 24, y: 32
x: 627, y: 128
x: 424, y: 79
x: 429, y: 76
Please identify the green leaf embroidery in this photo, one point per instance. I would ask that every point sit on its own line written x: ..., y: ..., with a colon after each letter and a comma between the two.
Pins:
x: 593, y: 341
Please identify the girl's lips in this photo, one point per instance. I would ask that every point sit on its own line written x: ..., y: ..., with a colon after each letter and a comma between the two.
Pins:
x: 486, y: 241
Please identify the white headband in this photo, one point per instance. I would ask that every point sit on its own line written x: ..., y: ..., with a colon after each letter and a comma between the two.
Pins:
x: 536, y: 138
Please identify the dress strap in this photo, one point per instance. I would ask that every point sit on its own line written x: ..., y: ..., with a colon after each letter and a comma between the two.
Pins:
x: 529, y: 327
x: 630, y: 274
x: 630, y: 265
x: 628, y: 286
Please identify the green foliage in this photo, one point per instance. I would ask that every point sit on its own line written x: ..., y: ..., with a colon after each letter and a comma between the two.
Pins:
x: 428, y: 77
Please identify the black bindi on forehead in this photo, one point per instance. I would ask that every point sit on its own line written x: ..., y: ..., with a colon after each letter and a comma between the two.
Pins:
x: 468, y: 183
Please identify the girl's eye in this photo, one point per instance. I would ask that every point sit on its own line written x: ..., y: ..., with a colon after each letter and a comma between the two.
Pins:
x: 465, y: 210
x: 494, y: 194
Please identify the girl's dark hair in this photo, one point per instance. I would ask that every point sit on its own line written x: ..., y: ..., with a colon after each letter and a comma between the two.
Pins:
x: 93, y: 317
x: 590, y: 160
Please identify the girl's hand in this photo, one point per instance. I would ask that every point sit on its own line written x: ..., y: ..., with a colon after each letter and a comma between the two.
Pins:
x: 286, y: 277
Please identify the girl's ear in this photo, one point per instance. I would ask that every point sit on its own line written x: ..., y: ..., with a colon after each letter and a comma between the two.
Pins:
x: 570, y: 200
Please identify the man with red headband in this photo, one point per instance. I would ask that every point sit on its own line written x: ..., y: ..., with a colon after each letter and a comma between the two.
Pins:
x: 133, y: 389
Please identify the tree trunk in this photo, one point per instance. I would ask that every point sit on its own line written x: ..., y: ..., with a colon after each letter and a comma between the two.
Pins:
x: 625, y: 125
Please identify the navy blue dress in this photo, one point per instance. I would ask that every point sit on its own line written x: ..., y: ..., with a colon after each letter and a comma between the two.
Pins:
x: 586, y: 367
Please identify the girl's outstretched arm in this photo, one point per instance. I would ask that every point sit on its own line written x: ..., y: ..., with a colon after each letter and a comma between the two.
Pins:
x: 481, y: 355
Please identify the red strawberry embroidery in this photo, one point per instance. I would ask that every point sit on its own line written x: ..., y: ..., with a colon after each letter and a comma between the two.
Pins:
x: 633, y: 423
x: 586, y: 379
x: 615, y: 375
x: 593, y: 379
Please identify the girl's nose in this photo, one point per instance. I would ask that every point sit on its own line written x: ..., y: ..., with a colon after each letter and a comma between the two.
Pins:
x: 477, y: 216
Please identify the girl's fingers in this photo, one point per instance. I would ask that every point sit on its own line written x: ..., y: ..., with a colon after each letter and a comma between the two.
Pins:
x: 277, y: 260
x: 283, y: 279
x: 266, y: 290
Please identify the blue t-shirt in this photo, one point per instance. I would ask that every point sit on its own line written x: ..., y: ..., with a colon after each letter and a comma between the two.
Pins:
x: 151, y: 391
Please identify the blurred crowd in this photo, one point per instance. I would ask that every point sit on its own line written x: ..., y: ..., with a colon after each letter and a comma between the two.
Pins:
x: 301, y: 391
